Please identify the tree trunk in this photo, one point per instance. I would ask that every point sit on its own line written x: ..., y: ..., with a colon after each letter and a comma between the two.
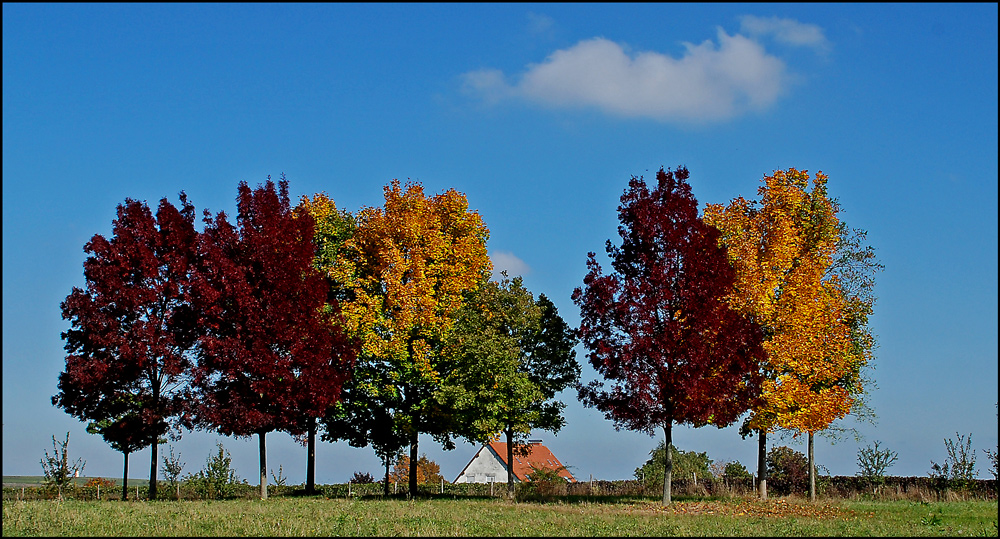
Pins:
x: 263, y: 466
x: 152, y: 469
x: 385, y: 489
x: 762, y: 463
x: 153, y: 465
x: 311, y: 458
x: 510, y: 461
x: 668, y: 462
x: 413, y: 461
x: 812, y: 471
x: 125, y: 479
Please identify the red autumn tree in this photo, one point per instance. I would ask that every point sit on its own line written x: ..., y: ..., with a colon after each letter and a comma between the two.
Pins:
x: 658, y: 327
x: 132, y: 328
x: 271, y: 353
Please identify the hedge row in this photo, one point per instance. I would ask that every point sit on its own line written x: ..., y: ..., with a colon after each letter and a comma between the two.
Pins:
x: 827, y: 486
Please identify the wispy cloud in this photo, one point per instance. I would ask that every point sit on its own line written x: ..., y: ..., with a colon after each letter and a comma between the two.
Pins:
x: 711, y: 81
x: 505, y: 260
x: 787, y: 31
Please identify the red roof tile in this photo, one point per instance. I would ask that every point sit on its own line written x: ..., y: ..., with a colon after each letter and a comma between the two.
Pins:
x: 539, y: 455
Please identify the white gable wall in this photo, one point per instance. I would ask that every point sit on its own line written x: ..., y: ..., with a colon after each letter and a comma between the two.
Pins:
x: 485, y: 467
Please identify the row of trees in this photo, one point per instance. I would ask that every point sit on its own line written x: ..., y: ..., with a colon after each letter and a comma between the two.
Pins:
x: 373, y: 327
x: 758, y: 307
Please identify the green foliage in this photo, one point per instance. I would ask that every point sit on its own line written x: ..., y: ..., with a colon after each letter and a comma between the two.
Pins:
x: 543, y: 484
x: 57, y: 468
x: 218, y: 477
x: 509, y: 356
x: 686, y: 465
x: 873, y: 462
x: 788, y: 471
x: 736, y: 470
x: 959, y: 469
x: 172, y: 466
x: 280, y: 479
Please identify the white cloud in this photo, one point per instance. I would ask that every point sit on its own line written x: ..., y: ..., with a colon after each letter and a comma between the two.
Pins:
x: 505, y: 260
x: 788, y: 31
x: 710, y: 82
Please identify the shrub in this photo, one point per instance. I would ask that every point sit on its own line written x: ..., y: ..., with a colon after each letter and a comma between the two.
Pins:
x: 218, y: 479
x: 94, y: 482
x: 172, y: 467
x: 362, y: 478
x: 57, y: 468
x: 686, y: 465
x: 543, y: 484
x: 788, y: 471
x: 959, y: 469
x: 873, y: 462
x: 736, y: 471
x: 428, y: 471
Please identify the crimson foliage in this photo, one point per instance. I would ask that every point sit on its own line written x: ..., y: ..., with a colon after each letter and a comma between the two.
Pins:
x: 657, y: 328
x: 131, y: 327
x: 270, y: 353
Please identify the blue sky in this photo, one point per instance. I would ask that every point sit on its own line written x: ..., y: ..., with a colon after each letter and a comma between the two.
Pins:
x: 540, y: 113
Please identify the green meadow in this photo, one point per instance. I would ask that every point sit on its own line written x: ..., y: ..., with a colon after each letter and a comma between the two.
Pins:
x: 317, y: 515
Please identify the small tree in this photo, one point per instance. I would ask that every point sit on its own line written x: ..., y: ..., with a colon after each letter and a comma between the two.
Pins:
x: 658, y: 328
x: 57, y: 468
x: 428, y: 471
x: 172, y: 467
x: 280, y: 479
x: 959, y: 469
x: 216, y: 480
x: 873, y: 462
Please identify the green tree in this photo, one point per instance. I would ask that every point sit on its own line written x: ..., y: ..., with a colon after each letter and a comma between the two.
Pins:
x: 217, y: 478
x: 408, y: 268
x: 873, y: 462
x: 959, y: 468
x: 58, y: 470
x: 686, y: 465
x: 172, y: 468
x: 510, y: 356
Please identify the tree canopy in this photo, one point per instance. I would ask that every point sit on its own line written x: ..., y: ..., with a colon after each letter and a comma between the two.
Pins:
x: 658, y: 327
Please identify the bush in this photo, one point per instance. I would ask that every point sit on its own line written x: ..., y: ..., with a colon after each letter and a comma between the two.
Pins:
x: 218, y: 479
x: 959, y: 469
x: 543, y: 484
x: 57, y: 468
x: 873, y: 462
x: 788, y: 471
x: 362, y: 478
x: 95, y: 482
x: 735, y: 471
x: 686, y: 466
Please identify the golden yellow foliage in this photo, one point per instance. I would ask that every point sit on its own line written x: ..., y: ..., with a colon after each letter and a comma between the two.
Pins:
x: 781, y: 251
x: 408, y: 265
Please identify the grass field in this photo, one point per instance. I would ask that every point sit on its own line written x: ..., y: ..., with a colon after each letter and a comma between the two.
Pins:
x: 309, y: 516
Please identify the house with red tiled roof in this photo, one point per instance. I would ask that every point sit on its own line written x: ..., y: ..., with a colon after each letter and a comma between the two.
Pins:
x: 490, y: 464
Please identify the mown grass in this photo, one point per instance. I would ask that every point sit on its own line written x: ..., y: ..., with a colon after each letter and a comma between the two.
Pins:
x: 311, y: 516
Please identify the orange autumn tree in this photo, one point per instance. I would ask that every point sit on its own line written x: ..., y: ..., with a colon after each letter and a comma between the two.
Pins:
x: 428, y: 471
x: 782, y: 250
x: 408, y: 267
